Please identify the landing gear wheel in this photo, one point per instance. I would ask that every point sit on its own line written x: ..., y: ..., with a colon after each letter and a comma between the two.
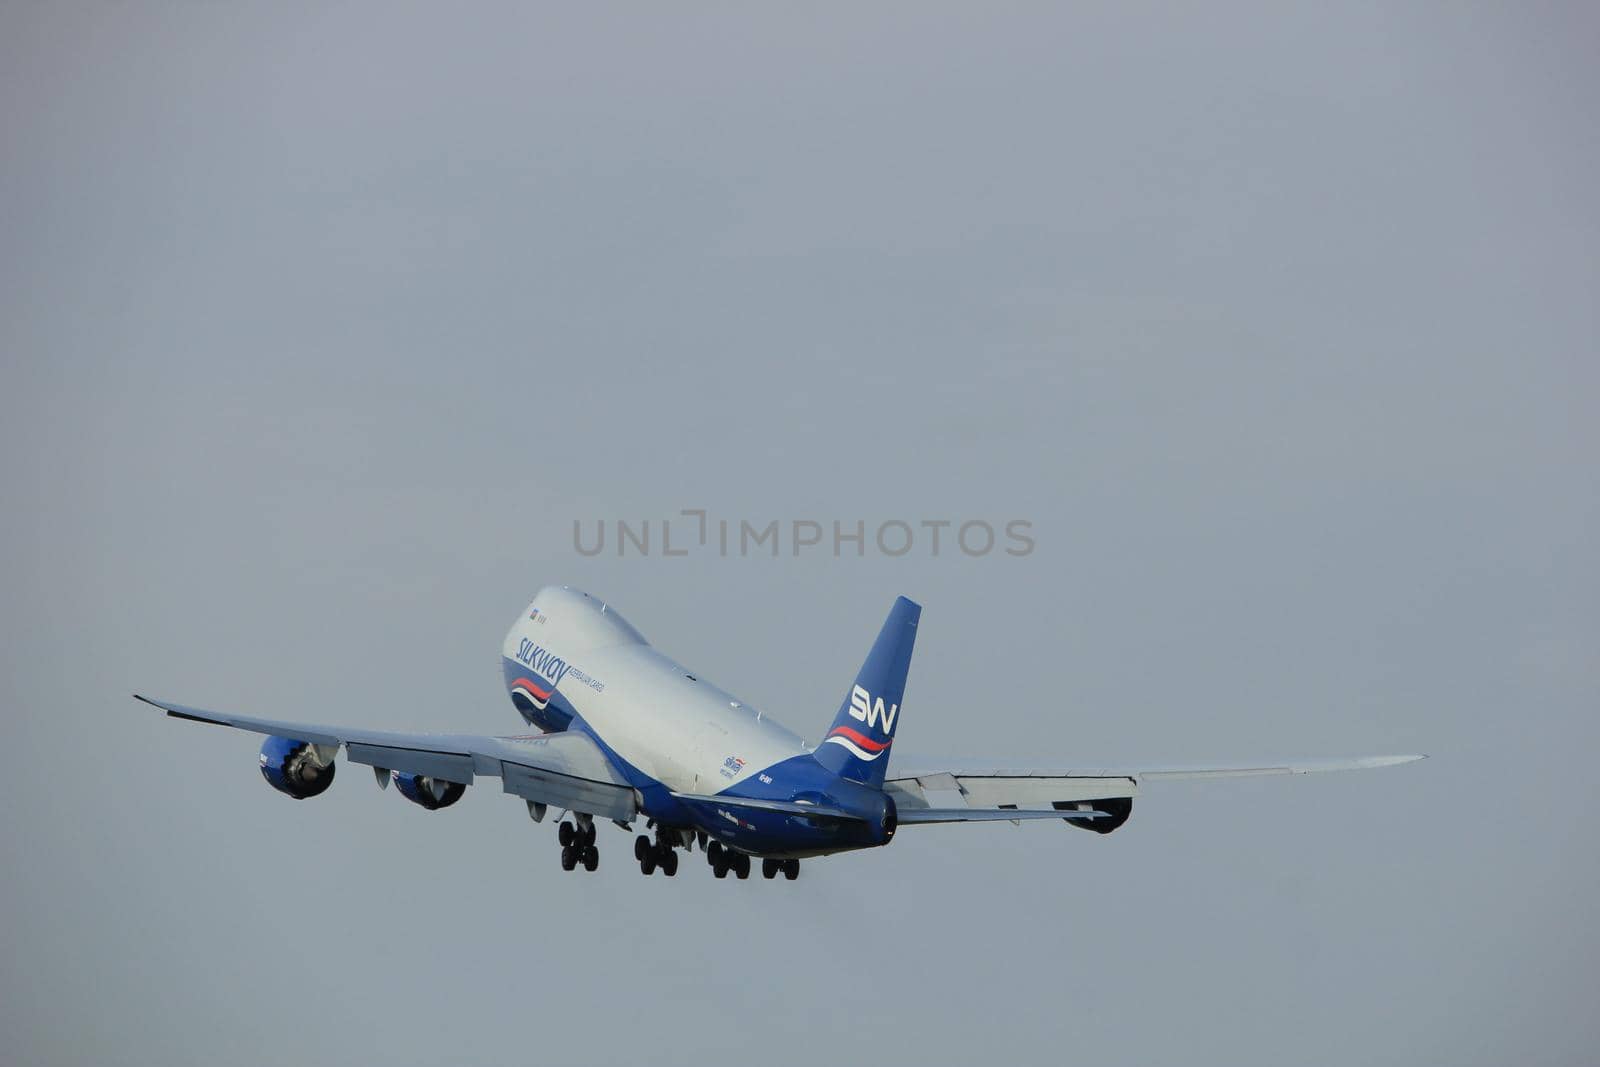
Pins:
x: 569, y: 856
x: 647, y: 864
x: 565, y: 834
x: 591, y: 857
x: 669, y: 864
x: 791, y: 869
x: 741, y: 866
x: 769, y: 868
x: 714, y: 853
x: 641, y: 848
x: 719, y: 867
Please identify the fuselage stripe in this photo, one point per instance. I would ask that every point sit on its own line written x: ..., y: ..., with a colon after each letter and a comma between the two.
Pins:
x: 860, y: 738
x: 530, y: 686
x: 854, y: 749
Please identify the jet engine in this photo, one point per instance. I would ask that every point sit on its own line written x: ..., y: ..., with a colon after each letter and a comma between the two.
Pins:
x: 430, y: 793
x: 297, y: 768
x: 889, y: 820
x: 1118, y: 808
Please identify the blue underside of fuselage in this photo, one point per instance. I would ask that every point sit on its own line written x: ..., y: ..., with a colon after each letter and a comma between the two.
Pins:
x: 765, y: 833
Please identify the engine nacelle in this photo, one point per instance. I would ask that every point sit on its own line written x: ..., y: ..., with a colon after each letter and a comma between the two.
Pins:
x: 296, y: 768
x: 1118, y: 808
x: 889, y: 820
x: 430, y: 793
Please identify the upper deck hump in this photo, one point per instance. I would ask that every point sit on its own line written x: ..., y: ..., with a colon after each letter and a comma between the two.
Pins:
x: 584, y: 622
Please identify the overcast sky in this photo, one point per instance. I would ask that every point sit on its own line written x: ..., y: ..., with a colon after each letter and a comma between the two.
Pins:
x: 321, y: 325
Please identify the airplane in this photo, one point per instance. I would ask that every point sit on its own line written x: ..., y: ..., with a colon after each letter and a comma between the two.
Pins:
x: 628, y: 733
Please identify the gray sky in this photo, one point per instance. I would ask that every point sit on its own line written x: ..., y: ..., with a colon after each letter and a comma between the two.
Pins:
x: 321, y: 326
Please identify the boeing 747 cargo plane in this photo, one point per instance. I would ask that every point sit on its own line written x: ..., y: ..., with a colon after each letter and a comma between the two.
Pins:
x: 629, y: 734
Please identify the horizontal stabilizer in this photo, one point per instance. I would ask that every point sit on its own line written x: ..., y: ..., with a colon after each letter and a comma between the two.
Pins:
x: 928, y: 815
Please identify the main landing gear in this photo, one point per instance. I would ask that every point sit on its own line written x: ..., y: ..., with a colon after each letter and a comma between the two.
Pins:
x: 790, y: 868
x: 577, y: 845
x: 723, y: 860
x: 661, y: 854
x: 655, y: 854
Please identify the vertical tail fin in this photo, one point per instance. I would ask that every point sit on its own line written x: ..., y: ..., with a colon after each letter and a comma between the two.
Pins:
x: 857, y: 746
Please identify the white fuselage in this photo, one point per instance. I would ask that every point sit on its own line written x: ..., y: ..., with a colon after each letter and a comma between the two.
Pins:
x: 660, y: 717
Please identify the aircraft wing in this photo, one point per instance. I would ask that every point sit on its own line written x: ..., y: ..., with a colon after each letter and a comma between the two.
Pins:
x: 987, y: 787
x: 565, y: 770
x: 907, y: 815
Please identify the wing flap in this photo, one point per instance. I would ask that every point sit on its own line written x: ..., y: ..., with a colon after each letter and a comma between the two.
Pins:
x: 916, y: 816
x: 1028, y: 792
x: 946, y: 790
x: 572, y: 754
x: 446, y: 766
x: 788, y: 807
x: 564, y: 791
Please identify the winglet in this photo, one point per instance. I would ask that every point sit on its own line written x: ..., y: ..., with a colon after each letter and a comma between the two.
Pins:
x: 178, y: 711
x: 1394, y: 761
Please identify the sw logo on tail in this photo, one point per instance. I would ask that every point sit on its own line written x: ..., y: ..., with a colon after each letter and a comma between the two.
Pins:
x: 864, y: 709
